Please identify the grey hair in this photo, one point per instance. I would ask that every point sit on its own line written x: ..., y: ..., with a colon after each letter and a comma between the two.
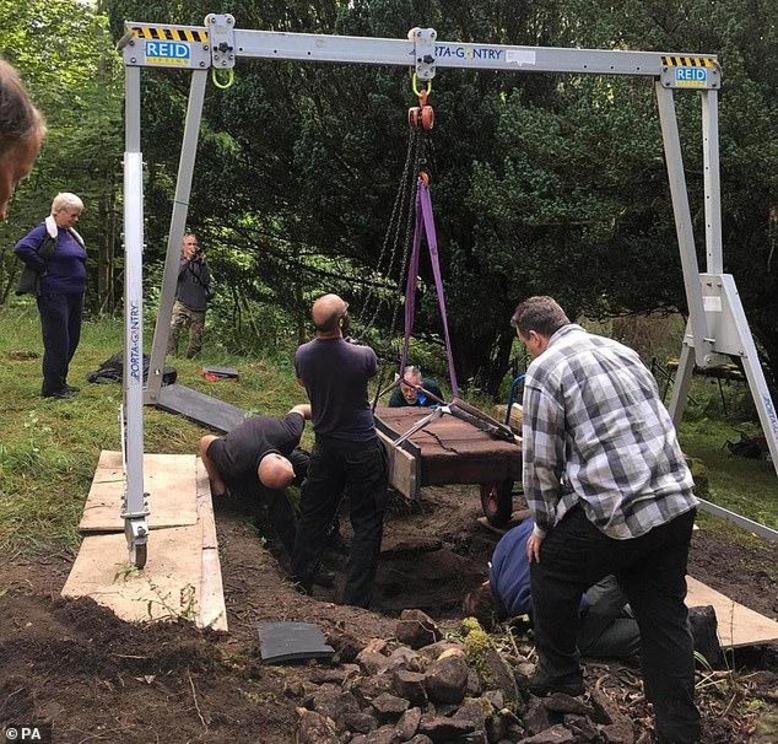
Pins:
x: 66, y: 200
x: 541, y: 314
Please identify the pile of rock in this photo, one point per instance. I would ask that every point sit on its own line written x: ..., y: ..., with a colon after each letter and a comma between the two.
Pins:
x: 422, y: 689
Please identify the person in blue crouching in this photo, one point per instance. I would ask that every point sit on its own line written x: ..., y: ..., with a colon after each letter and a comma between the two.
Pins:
x: 608, y: 628
x: 55, y: 262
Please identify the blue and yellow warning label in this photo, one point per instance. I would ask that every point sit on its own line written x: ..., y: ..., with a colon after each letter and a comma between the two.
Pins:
x: 173, y: 53
x: 685, y: 71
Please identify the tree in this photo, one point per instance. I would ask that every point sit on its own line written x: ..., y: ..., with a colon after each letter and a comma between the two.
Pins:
x: 64, y: 52
x: 542, y: 183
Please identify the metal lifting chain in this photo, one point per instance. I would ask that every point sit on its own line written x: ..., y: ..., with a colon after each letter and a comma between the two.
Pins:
x: 422, y: 157
x: 417, y: 163
x: 421, y: 120
x: 392, y: 236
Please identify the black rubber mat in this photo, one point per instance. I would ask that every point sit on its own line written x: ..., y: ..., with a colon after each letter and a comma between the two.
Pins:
x: 280, y: 642
x: 211, y: 412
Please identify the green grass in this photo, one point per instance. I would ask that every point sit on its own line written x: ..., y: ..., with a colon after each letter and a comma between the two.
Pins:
x: 748, y: 487
x: 49, y: 448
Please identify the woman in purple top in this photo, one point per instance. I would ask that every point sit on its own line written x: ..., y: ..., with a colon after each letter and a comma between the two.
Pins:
x: 55, y: 252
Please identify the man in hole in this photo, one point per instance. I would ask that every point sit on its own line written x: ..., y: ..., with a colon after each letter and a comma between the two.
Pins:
x: 410, y: 395
x: 259, y: 460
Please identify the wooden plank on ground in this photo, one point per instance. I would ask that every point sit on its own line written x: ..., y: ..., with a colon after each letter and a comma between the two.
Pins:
x: 738, y: 625
x: 168, y: 586
x: 182, y: 576
x: 168, y: 479
x: 213, y: 613
x: 203, y: 409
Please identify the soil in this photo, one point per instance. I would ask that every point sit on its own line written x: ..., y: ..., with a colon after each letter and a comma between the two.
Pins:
x: 95, y: 678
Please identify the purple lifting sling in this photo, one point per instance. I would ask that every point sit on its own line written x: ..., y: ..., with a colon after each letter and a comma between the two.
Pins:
x: 425, y: 221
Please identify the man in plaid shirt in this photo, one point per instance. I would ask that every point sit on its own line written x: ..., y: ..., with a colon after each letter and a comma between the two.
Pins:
x: 610, y: 492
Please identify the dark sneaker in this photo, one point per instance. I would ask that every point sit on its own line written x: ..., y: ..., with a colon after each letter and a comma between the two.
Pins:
x: 62, y: 394
x: 72, y: 388
x: 540, y: 684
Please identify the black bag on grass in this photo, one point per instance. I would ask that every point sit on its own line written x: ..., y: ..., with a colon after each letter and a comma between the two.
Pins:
x: 749, y: 447
x: 111, y: 371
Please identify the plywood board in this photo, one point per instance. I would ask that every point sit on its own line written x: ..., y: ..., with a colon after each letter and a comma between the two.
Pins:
x: 168, y: 586
x: 182, y: 577
x: 168, y: 479
x: 738, y: 625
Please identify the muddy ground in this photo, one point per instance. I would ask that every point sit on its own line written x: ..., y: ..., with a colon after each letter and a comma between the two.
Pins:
x: 98, y: 679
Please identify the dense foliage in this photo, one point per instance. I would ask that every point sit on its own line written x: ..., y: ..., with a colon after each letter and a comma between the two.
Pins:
x: 64, y: 52
x: 541, y: 183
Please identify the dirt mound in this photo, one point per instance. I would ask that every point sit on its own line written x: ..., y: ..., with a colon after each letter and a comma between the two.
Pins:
x: 87, y: 639
x: 75, y: 665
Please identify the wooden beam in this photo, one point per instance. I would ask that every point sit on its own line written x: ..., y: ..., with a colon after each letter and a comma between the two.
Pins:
x: 213, y: 613
x: 403, y: 468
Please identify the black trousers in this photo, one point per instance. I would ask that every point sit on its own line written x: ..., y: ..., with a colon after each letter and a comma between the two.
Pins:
x: 356, y: 470
x: 279, y: 509
x: 608, y: 628
x: 61, y: 329
x: 651, y: 570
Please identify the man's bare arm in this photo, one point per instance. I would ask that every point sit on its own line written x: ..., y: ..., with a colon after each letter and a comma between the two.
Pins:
x: 304, y: 409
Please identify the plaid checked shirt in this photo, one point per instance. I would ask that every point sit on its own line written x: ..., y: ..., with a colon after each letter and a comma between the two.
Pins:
x: 595, y: 432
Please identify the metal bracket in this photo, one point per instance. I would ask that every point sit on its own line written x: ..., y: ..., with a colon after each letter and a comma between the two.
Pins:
x: 137, y: 533
x: 127, y: 514
x: 419, y: 425
x: 696, y: 73
x: 221, y: 29
x: 165, y: 45
x: 424, y: 51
